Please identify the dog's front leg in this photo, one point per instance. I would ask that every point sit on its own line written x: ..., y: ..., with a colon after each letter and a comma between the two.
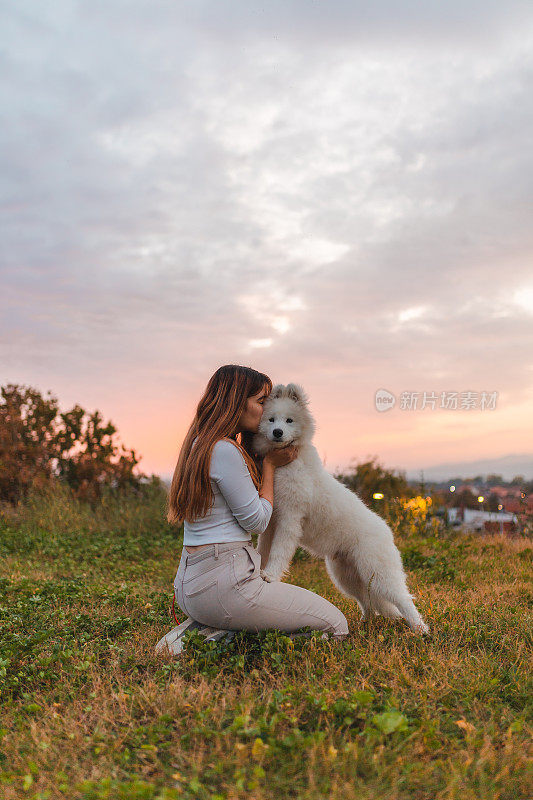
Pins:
x: 264, y: 542
x: 287, y: 535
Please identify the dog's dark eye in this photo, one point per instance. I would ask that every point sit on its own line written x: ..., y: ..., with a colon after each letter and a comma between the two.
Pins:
x: 271, y: 419
x: 289, y: 420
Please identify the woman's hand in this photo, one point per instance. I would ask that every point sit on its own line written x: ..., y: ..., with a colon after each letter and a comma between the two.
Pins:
x: 283, y: 456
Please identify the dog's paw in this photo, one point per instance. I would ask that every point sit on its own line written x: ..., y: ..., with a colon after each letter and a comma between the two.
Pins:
x: 422, y: 630
x: 267, y: 577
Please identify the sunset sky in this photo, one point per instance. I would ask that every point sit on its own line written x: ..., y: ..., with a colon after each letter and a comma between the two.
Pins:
x: 339, y: 194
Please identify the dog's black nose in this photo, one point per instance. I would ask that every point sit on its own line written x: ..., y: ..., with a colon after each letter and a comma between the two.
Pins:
x: 277, y: 433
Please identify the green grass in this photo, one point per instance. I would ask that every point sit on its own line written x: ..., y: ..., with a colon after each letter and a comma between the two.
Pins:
x: 89, y: 711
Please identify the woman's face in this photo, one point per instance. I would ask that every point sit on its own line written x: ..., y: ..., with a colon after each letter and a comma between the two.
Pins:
x: 251, y: 416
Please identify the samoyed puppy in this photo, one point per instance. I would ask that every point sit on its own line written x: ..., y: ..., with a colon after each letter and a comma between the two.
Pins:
x: 318, y: 513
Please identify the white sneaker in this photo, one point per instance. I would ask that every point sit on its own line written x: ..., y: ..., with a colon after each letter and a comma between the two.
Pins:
x: 216, y: 634
x: 172, y: 642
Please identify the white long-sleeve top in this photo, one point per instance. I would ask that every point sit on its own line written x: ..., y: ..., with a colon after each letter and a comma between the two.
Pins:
x: 237, y: 510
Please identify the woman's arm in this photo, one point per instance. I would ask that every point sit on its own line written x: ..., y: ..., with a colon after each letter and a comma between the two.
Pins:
x: 267, y: 482
x: 230, y: 472
x: 251, y: 509
x: 273, y: 459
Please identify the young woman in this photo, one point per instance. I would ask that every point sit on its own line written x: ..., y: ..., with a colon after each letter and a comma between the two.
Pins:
x: 223, y: 494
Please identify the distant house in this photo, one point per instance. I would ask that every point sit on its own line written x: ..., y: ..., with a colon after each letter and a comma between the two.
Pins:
x: 505, y: 491
x: 474, y: 519
x: 517, y: 505
x: 509, y: 497
x: 467, y: 486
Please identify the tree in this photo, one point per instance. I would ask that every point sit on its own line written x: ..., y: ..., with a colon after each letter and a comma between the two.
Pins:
x: 39, y: 444
x: 87, y: 455
x: 369, y: 477
x: 493, y: 502
x: 27, y: 436
x: 464, y: 498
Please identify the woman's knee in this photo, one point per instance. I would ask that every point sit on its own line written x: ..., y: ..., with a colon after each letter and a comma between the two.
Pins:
x: 339, y: 625
x: 313, y: 609
x: 341, y: 628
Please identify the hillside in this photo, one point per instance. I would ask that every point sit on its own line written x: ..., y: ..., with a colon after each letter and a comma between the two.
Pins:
x: 89, y: 711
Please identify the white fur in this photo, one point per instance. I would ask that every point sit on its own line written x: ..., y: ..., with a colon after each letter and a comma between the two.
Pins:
x: 315, y: 511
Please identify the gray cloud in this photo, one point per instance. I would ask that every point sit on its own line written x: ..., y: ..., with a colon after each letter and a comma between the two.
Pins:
x: 183, y: 183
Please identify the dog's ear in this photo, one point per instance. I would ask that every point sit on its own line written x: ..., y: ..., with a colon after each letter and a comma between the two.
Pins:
x: 277, y: 391
x: 296, y: 392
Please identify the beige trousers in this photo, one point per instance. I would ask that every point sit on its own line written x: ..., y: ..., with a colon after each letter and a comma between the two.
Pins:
x: 221, y: 586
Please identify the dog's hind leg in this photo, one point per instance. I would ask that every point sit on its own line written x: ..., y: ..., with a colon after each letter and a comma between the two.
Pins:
x: 385, y: 607
x: 392, y: 595
x: 390, y: 589
x: 389, y: 583
x: 410, y: 613
x: 345, y: 576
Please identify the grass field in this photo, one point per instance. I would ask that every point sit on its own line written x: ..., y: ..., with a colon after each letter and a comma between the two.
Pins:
x: 89, y: 711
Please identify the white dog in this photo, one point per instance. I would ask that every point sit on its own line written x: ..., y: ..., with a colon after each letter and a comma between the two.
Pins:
x: 315, y: 511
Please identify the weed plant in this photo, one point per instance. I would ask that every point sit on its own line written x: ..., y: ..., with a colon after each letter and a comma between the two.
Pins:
x: 89, y: 711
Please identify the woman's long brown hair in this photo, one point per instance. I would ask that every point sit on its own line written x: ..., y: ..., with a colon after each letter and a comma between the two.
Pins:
x: 217, y: 416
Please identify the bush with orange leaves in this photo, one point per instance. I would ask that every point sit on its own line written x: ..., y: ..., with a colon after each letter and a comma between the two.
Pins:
x: 40, y: 445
